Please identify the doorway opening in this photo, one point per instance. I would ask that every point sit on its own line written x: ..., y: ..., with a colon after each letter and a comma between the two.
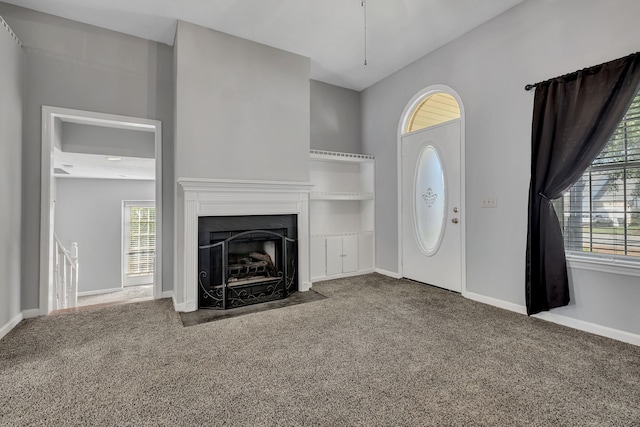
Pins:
x: 91, y: 164
x: 431, y: 189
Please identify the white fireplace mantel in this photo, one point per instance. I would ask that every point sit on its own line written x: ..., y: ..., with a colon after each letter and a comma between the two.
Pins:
x: 223, y: 197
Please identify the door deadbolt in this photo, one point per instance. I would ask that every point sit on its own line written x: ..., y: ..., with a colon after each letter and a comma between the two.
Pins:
x: 456, y: 210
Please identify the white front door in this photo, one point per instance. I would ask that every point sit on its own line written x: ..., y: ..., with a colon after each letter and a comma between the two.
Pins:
x: 431, y: 194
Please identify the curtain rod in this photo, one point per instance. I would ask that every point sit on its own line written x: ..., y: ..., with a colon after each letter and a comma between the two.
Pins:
x: 533, y: 86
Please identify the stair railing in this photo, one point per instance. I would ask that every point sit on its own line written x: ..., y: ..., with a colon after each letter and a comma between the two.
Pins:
x: 65, y: 274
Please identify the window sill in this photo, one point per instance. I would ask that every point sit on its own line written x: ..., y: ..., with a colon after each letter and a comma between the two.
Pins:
x: 603, y: 265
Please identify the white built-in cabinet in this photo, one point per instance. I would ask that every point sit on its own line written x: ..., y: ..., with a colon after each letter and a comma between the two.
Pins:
x: 341, y: 214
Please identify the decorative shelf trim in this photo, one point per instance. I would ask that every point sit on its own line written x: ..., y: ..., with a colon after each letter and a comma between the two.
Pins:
x: 10, y: 31
x: 337, y: 156
x: 331, y: 195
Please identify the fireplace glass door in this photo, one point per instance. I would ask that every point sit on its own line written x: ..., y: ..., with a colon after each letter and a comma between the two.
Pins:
x: 239, y: 267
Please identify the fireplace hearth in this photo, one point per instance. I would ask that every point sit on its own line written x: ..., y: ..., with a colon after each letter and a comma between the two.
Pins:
x: 245, y: 260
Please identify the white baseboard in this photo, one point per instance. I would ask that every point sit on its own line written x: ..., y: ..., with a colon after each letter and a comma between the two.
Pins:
x: 166, y: 294
x: 6, y: 328
x: 31, y: 313
x: 559, y: 319
x: 388, y: 273
x: 592, y: 328
x: 98, y: 292
x: 496, y: 302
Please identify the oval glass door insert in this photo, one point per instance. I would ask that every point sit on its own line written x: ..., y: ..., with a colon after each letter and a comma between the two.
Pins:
x: 430, y: 200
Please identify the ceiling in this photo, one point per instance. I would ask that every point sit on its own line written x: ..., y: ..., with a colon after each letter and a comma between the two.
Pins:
x: 82, y: 165
x: 330, y: 32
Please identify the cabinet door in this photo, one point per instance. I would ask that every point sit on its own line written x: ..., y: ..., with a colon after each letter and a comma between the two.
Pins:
x: 318, y: 257
x: 349, y: 254
x: 334, y: 255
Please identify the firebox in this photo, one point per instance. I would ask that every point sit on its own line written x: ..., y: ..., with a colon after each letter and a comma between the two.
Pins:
x: 246, y: 260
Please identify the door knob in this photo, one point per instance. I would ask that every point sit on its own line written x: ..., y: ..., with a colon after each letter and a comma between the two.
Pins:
x: 455, y: 220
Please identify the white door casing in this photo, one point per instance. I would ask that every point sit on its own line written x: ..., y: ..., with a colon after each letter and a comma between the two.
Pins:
x: 431, y: 206
x: 52, y: 118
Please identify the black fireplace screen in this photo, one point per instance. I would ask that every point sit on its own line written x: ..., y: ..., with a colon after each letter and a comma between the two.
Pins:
x: 239, y: 266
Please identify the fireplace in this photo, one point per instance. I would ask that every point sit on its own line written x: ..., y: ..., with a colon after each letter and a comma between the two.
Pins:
x: 198, y: 198
x: 245, y: 260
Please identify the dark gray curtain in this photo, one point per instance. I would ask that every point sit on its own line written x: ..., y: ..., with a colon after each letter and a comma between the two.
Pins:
x: 573, y: 118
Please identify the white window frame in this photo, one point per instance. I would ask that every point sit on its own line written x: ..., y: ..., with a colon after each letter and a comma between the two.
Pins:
x: 604, y: 264
x: 138, y: 280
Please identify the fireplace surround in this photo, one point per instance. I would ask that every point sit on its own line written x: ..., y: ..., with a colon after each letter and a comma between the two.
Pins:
x: 199, y: 198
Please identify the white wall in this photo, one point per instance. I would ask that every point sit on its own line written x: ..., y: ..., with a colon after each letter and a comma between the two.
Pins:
x: 11, y: 88
x: 242, y: 108
x: 89, y: 211
x: 79, y: 66
x: 488, y: 67
x: 335, y: 118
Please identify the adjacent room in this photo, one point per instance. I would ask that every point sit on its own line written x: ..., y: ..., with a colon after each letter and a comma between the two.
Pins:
x: 290, y: 212
x: 106, y: 174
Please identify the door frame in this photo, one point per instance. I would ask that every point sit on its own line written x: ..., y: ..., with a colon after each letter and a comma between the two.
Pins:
x: 404, y: 119
x: 52, y: 119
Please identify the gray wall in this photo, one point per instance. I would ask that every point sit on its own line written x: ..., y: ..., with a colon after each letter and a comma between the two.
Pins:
x: 242, y: 108
x: 89, y: 211
x: 79, y: 66
x: 242, y: 112
x: 335, y: 118
x: 11, y: 68
x: 489, y: 67
x: 76, y: 138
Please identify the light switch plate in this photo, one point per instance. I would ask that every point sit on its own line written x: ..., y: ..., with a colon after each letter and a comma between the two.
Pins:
x: 489, y: 202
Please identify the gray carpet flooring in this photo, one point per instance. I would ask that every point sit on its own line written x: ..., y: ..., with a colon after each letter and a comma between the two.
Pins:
x: 375, y: 352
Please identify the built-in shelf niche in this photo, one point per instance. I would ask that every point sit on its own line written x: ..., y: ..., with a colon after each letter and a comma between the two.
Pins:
x: 341, y: 214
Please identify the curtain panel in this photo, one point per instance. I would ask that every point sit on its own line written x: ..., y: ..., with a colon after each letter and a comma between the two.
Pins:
x: 573, y: 118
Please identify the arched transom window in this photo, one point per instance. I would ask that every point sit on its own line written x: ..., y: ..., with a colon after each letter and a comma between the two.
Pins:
x: 433, y: 110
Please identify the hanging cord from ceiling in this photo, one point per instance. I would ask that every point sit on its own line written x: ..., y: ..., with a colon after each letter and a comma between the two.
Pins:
x: 363, y: 4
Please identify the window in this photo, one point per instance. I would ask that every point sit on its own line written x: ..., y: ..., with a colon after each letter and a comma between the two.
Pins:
x: 139, y: 242
x: 433, y: 110
x: 600, y: 214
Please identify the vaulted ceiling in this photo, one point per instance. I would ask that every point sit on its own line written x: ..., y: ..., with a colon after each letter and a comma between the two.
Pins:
x: 330, y: 32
